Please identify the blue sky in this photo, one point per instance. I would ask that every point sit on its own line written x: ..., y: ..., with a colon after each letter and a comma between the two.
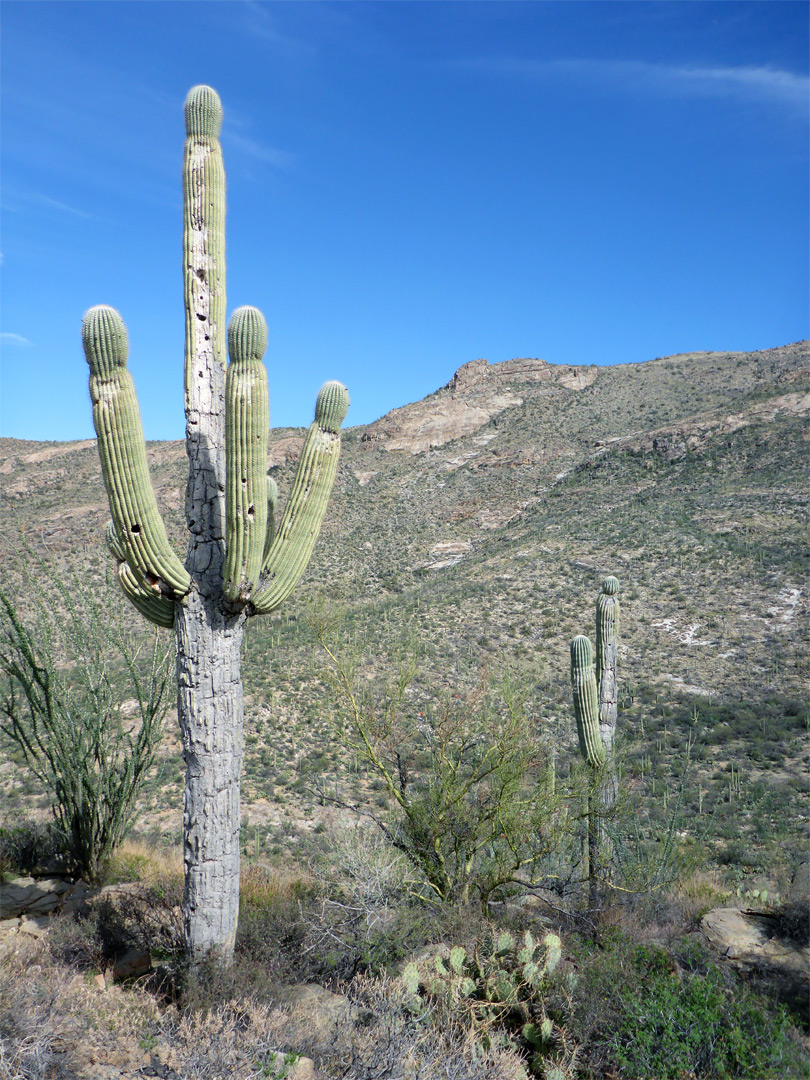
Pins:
x: 410, y: 186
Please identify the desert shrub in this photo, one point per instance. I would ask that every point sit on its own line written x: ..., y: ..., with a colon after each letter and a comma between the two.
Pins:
x: 31, y: 846
x: 644, y: 1011
x: 461, y: 775
x: 61, y: 705
x: 363, y: 918
x: 89, y: 939
x: 146, y: 918
x: 381, y: 1037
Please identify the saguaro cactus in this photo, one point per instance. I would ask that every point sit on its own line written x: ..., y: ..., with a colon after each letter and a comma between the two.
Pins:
x: 595, y: 708
x: 607, y: 643
x: 237, y: 563
x: 586, y: 709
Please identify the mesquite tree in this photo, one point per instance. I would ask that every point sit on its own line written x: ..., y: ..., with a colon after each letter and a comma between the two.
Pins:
x: 238, y: 564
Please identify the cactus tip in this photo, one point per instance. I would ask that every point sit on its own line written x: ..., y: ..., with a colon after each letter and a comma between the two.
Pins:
x: 610, y: 586
x: 331, y: 406
x: 105, y: 340
x: 247, y: 334
x: 581, y: 652
x: 203, y: 112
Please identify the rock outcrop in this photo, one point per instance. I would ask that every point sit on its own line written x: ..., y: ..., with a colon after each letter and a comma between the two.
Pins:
x: 477, y: 392
x: 748, y: 938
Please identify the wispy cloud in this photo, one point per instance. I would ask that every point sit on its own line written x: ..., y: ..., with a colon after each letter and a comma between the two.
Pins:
x: 764, y: 84
x: 57, y: 205
x: 262, y: 21
x: 14, y: 339
x: 280, y: 159
x: 21, y: 201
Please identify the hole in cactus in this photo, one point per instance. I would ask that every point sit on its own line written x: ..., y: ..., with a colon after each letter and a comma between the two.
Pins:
x: 201, y: 316
x: 250, y: 511
x: 201, y: 275
x: 135, y: 529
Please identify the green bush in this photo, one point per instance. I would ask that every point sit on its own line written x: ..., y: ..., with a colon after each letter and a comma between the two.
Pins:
x: 460, y: 776
x: 31, y: 847
x: 679, y: 1015
x: 65, y: 672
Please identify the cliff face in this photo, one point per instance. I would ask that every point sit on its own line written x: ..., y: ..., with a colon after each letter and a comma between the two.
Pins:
x: 477, y: 392
x: 699, y: 391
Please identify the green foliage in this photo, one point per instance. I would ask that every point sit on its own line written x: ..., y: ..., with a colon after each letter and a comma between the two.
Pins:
x: 29, y: 846
x: 66, y: 672
x: 464, y: 803
x: 653, y: 1013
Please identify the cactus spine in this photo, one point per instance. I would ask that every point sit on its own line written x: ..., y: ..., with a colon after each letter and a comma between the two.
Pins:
x: 237, y: 563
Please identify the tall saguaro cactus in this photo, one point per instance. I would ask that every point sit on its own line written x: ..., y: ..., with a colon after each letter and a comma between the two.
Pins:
x: 607, y: 645
x: 237, y: 564
x: 595, y: 708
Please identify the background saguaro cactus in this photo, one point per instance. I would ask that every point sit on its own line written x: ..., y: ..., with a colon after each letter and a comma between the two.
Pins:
x: 595, y: 708
x: 238, y: 564
x: 607, y: 645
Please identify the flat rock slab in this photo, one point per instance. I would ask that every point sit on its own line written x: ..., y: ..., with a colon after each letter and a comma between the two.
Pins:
x: 748, y: 937
x: 34, y: 896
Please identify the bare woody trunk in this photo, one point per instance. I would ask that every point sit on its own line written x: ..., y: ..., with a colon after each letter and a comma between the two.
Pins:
x: 607, y: 649
x: 211, y: 712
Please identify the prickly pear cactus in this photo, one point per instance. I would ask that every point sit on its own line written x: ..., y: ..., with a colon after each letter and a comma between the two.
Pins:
x: 498, y: 988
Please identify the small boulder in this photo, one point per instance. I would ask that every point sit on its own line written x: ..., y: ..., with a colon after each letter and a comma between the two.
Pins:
x: 35, y: 927
x: 749, y: 938
x: 132, y: 963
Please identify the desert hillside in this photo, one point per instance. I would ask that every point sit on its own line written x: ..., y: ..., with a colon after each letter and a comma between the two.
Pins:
x: 464, y: 547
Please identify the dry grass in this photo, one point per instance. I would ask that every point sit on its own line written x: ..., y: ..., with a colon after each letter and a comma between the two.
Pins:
x: 665, y: 916
x: 56, y: 1022
x: 59, y: 1024
x: 263, y: 886
x: 136, y: 860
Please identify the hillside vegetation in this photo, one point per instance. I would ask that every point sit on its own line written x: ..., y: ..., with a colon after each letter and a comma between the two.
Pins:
x: 465, y: 542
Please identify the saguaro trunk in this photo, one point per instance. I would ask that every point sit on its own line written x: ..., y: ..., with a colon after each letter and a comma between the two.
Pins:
x: 210, y: 708
x: 607, y: 650
x: 210, y: 703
